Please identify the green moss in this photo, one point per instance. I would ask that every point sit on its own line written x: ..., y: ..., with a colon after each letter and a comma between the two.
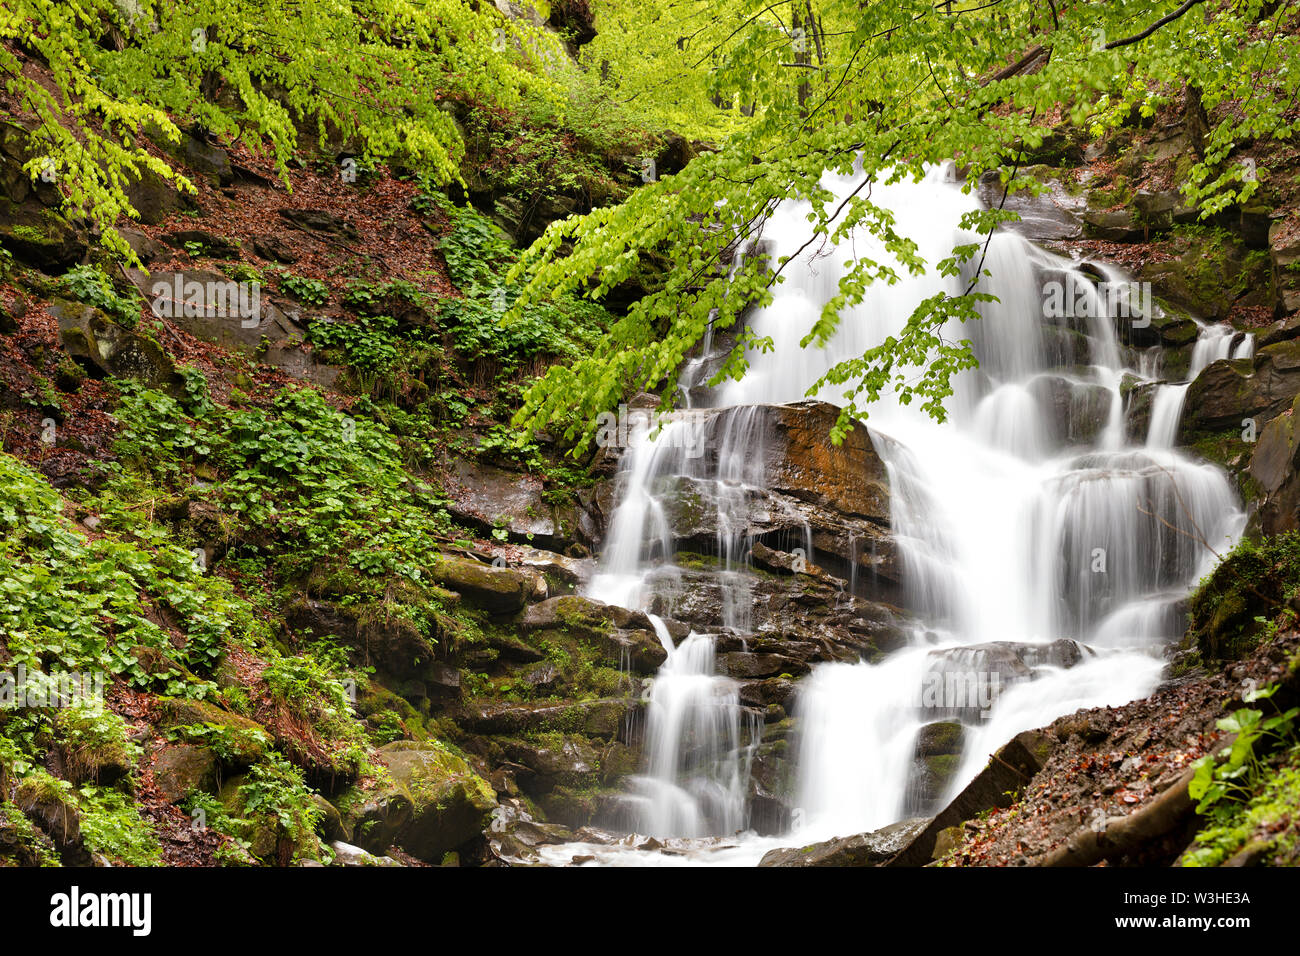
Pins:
x: 1267, y: 826
x: 1245, y: 597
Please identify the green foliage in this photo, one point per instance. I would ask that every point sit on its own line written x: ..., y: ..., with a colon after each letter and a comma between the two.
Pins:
x: 274, y: 793
x: 1258, y: 578
x: 111, y: 824
x: 1226, y: 786
x: 89, y: 284
x: 791, y: 90
x: 299, y: 471
x: 369, y: 345
x: 375, y: 72
x: 312, y: 291
x: 77, y: 605
x: 478, y: 257
x: 372, y: 298
x: 228, y: 742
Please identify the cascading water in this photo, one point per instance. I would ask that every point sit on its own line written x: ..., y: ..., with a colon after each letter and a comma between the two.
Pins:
x: 1044, y: 556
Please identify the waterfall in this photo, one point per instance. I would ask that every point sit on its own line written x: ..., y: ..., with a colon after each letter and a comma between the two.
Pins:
x: 699, y: 743
x: 1043, y: 556
x: 1213, y: 343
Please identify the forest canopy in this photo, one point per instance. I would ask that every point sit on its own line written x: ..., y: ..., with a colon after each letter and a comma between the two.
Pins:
x: 776, y: 93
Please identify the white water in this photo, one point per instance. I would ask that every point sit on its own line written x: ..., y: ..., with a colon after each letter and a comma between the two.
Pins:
x: 1016, y: 522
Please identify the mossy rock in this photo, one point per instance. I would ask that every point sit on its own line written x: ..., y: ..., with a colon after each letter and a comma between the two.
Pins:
x: 239, y: 739
x: 940, y: 738
x: 450, y: 803
x: 182, y: 769
x: 496, y: 590
x: 107, y: 349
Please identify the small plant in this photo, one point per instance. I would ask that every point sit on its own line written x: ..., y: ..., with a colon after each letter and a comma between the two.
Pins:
x: 311, y: 291
x: 89, y: 284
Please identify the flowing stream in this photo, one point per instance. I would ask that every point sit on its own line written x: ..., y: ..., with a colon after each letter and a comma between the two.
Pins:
x: 1046, y: 550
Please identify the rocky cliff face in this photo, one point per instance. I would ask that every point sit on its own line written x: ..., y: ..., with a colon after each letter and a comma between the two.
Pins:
x: 488, y: 709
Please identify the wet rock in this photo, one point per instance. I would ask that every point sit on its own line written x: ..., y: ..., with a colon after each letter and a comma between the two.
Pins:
x: 936, y: 759
x: 514, y: 839
x: 561, y: 571
x: 940, y: 737
x: 488, y: 497
x: 1055, y: 213
x: 996, y: 786
x: 1230, y: 391
x: 606, y: 718
x: 568, y: 761
x: 747, y: 666
x: 864, y: 849
x: 625, y: 637
x: 1275, y: 466
x: 378, y: 816
x: 762, y: 693
x: 1076, y: 411
x: 345, y: 854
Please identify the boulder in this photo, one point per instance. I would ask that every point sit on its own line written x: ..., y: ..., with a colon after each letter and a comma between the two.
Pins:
x: 748, y: 666
x: 156, y: 199
x: 496, y: 590
x: 863, y: 849
x: 626, y: 637
x: 450, y: 803
x: 606, y: 718
x: 996, y: 786
x: 1054, y: 214
x: 488, y: 497
x: 240, y: 741
x: 215, y: 308
x: 1113, y: 225
x: 182, y: 769
x: 32, y: 226
x: 146, y: 248
x: 345, y: 854
x: 106, y: 349
x: 1275, y: 466
x: 274, y: 248
x: 1230, y: 391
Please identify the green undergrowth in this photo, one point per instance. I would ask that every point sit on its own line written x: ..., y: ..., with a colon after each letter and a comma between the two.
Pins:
x: 1250, y: 791
x: 478, y: 257
x: 296, y: 478
x: 1247, y: 597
